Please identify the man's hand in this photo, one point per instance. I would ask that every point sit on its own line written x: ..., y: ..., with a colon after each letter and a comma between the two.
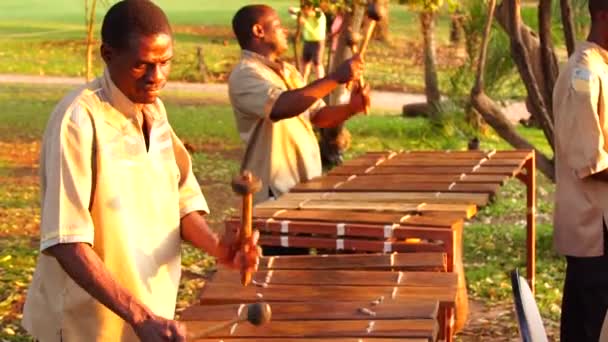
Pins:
x: 349, y: 70
x: 156, y: 328
x: 246, y: 257
x: 359, y: 98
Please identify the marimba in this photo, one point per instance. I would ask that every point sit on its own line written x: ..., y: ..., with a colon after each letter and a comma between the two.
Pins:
x: 371, y: 297
x: 412, y: 201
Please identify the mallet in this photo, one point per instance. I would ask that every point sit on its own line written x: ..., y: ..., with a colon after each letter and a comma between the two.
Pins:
x: 352, y: 40
x: 257, y: 314
x: 375, y: 13
x: 245, y: 185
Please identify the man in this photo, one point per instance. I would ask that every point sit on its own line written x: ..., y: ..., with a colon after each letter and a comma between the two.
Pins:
x: 275, y: 110
x: 118, y: 196
x: 581, y: 199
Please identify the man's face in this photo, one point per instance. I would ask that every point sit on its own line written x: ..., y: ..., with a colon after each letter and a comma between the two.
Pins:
x: 140, y: 70
x: 274, y: 33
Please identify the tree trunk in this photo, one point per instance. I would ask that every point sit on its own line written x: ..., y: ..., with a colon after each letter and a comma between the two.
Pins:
x: 382, y: 32
x: 90, y: 24
x: 525, y: 51
x: 568, y: 25
x: 334, y: 141
x: 433, y: 97
x: 548, y: 63
x: 493, y: 115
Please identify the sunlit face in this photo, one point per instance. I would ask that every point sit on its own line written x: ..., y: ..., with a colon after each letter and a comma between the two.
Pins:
x: 275, y: 34
x: 141, y: 70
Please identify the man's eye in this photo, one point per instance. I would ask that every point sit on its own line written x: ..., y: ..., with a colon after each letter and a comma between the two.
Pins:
x: 139, y: 67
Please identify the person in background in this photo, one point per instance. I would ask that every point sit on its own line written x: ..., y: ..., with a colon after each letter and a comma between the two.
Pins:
x: 312, y: 25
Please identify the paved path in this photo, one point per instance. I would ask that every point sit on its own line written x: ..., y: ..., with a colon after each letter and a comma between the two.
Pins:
x: 382, y: 100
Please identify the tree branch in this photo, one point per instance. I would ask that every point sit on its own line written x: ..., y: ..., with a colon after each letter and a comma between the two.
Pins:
x: 520, y: 55
x: 492, y: 113
x: 568, y: 25
x: 548, y: 59
x: 487, y: 31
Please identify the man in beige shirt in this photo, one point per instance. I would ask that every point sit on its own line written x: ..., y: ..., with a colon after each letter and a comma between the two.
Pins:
x: 118, y: 197
x: 275, y: 110
x: 581, y: 199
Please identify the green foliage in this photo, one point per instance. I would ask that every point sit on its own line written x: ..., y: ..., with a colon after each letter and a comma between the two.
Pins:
x: 501, y: 78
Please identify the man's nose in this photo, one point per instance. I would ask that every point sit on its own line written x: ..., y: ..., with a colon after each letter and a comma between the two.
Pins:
x: 155, y: 73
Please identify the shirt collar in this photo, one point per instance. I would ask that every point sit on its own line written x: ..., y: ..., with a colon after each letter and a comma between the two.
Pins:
x: 250, y: 55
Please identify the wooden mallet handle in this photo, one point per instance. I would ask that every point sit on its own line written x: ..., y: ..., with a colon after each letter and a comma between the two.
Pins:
x: 245, y: 185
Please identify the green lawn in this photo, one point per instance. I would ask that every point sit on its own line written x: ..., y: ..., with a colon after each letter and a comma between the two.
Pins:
x: 494, y: 240
x: 39, y: 40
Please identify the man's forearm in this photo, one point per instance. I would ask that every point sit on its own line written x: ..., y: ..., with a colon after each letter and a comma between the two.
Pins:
x: 332, y: 116
x: 195, y: 230
x: 294, y: 102
x: 85, y: 267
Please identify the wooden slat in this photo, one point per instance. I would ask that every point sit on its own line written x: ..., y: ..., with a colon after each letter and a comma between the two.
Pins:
x: 424, y: 328
x: 397, y: 262
x: 464, y: 210
x: 489, y: 188
x: 410, y: 178
x: 355, y: 245
x: 423, y: 170
x: 515, y: 163
x: 348, y: 278
x: 235, y: 293
x: 402, y: 197
x: 357, y: 217
x: 345, y: 230
x: 319, y: 311
x: 508, y: 154
x: 434, y: 161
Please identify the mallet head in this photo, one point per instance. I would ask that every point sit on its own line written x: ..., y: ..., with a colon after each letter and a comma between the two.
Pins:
x: 259, y: 313
x: 246, y: 183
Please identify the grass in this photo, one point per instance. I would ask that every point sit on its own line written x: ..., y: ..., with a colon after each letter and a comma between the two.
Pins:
x: 494, y: 241
x: 50, y: 41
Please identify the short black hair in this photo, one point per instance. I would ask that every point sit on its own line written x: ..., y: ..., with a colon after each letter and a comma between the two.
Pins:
x: 596, y: 6
x: 129, y: 17
x: 244, y: 19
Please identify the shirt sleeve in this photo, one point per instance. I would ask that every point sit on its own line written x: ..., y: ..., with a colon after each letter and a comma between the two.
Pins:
x: 190, y: 195
x: 586, y: 150
x: 67, y: 179
x: 252, y: 94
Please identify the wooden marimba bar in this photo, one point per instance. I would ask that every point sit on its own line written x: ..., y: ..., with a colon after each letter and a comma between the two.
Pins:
x: 371, y: 297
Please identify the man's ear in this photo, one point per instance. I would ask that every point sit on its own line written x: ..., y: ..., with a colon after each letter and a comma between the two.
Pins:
x: 258, y: 31
x: 107, y: 53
